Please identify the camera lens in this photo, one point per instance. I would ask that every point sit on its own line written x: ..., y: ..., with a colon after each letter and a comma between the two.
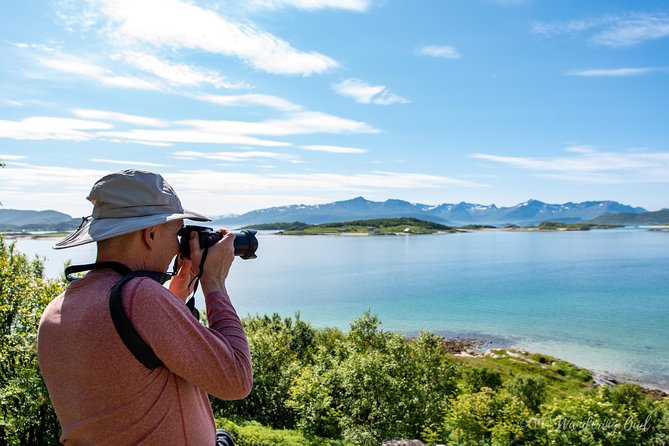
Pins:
x: 246, y: 244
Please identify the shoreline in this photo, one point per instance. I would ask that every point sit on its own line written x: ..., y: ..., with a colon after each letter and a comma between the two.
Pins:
x: 483, y: 346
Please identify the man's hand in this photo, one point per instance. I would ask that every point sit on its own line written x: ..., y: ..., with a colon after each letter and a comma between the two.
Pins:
x: 218, y: 262
x: 181, y: 284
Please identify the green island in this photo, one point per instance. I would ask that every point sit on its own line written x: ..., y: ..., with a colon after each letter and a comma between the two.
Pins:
x: 363, y: 386
x: 408, y: 225
x: 556, y: 226
x: 378, y: 226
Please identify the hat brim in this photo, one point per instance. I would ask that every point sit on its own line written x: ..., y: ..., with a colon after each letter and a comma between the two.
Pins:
x: 95, y: 230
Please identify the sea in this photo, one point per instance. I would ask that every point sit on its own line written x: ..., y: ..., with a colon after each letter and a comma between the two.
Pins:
x: 598, y: 299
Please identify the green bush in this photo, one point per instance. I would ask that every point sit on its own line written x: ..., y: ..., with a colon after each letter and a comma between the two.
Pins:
x: 373, y: 385
x: 531, y: 390
x: 603, y: 418
x: 476, y: 378
x: 486, y: 417
x: 252, y: 433
x: 26, y: 415
x: 279, y: 348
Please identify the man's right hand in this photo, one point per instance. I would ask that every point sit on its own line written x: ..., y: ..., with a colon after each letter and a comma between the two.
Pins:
x: 218, y: 262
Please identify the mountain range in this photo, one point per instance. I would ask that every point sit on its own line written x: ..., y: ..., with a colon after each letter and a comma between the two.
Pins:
x: 25, y: 220
x: 530, y: 212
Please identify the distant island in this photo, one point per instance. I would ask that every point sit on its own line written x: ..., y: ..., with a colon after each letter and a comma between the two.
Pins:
x: 379, y: 226
x: 405, y: 225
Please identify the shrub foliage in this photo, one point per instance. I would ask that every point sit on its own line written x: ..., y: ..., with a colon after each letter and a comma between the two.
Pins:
x: 327, y: 387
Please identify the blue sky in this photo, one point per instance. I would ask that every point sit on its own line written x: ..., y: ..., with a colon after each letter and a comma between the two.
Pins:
x: 250, y: 104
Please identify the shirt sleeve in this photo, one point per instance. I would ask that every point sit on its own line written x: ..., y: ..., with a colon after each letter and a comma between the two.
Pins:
x: 215, y: 359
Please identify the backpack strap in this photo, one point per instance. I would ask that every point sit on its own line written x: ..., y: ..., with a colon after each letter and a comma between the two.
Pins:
x: 129, y: 335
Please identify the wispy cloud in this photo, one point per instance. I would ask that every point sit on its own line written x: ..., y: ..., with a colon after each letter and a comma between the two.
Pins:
x: 615, y: 31
x: 616, y: 72
x: 590, y: 166
x: 364, y: 93
x: 79, y: 67
x: 441, y: 51
x: 177, y: 73
x: 243, y: 133
x: 177, y: 24
x: 309, y: 5
x: 231, y: 156
x: 8, y: 157
x: 11, y: 102
x: 44, y: 127
x: 127, y: 163
x: 333, y: 149
x: 251, y: 99
x: 120, y: 117
x: 301, y: 123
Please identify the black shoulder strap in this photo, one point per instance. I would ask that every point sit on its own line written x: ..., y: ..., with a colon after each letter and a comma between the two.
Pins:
x: 116, y: 266
x: 132, y: 340
x: 130, y: 337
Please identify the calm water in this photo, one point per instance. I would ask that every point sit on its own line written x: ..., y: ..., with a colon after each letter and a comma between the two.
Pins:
x: 599, y: 299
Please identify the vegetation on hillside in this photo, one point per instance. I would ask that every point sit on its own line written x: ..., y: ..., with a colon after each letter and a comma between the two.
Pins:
x: 326, y: 387
x: 373, y: 226
x: 558, y: 226
x: 630, y: 219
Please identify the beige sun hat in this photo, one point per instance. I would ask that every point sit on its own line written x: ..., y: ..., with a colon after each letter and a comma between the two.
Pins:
x: 125, y: 202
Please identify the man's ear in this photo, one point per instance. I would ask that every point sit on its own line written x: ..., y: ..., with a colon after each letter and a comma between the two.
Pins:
x: 148, y: 236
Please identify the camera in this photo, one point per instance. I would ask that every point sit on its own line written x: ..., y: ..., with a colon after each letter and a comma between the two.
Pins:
x: 245, y: 242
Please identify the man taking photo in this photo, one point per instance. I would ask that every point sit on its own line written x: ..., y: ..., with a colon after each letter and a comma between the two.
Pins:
x: 93, y: 356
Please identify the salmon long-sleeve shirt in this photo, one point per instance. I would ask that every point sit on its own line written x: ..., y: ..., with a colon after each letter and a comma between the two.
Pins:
x: 103, y: 395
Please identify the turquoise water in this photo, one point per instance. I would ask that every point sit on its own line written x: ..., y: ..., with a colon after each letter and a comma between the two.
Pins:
x: 599, y: 299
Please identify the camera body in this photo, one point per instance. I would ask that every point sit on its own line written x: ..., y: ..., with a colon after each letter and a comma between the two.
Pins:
x: 245, y: 242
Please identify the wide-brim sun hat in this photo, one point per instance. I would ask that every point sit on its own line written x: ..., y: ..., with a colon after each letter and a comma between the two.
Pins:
x: 127, y: 201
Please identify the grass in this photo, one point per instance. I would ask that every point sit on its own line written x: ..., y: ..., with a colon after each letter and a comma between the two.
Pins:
x: 252, y: 433
x: 563, y: 379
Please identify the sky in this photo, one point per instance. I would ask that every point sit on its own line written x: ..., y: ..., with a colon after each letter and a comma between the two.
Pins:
x: 249, y: 104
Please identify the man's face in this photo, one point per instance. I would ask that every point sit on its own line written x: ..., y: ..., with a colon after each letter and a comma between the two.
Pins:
x: 168, y: 242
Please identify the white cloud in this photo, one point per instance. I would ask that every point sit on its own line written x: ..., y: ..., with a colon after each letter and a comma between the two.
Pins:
x: 189, y: 131
x: 8, y: 157
x: 616, y: 72
x: 333, y: 149
x: 27, y: 186
x: 309, y: 5
x: 43, y: 128
x: 120, y: 117
x: 73, y: 65
x: 590, y: 166
x: 300, y: 123
x: 177, y: 73
x: 188, y: 135
x: 251, y: 99
x: 176, y: 24
x: 443, y: 51
x: 127, y: 163
x: 230, y: 156
x: 364, y: 93
x: 11, y: 103
x: 615, y: 31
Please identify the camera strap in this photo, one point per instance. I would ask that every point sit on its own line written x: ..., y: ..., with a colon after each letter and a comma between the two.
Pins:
x: 191, y: 302
x: 129, y: 335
